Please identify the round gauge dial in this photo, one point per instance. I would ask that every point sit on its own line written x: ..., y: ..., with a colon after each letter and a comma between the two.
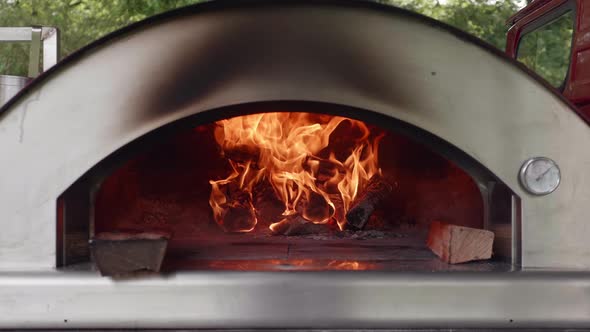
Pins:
x: 540, y: 176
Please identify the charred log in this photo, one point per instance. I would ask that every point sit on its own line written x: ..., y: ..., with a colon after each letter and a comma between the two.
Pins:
x: 314, y: 207
x: 238, y: 217
x: 238, y: 213
x: 242, y: 153
x: 268, y: 207
x: 297, y: 225
x: 374, y: 193
x: 338, y: 208
x: 325, y: 169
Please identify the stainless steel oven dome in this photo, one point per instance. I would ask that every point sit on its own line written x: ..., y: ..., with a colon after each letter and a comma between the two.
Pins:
x: 188, y: 62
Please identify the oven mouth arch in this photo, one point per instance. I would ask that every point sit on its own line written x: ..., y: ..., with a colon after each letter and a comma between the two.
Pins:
x: 465, y: 161
x: 90, y: 182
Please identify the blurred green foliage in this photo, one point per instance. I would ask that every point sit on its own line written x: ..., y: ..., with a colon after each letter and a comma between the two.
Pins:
x: 547, y: 49
x: 82, y: 21
x: 485, y: 19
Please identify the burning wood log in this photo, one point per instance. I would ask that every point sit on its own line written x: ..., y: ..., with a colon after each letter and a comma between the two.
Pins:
x: 326, y: 169
x: 297, y: 225
x: 238, y: 217
x: 232, y: 207
x: 314, y: 207
x: 338, y: 213
x: 242, y: 153
x: 374, y: 193
x: 268, y: 207
x: 457, y: 244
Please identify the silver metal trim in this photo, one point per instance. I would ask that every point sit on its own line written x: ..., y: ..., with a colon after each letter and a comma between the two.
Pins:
x: 516, y: 230
x: 15, y: 34
x: 51, y: 47
x: 35, y: 51
x: 349, y: 300
x: 522, y: 174
x: 47, y: 36
x: 10, y: 86
x: 12, y: 80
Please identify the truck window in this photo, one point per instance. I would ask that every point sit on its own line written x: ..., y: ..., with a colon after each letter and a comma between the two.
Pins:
x: 547, y: 49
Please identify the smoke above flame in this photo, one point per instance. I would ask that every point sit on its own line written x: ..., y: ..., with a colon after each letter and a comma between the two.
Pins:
x: 314, y: 170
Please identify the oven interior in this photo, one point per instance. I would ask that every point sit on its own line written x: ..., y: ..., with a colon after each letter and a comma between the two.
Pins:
x: 232, y: 187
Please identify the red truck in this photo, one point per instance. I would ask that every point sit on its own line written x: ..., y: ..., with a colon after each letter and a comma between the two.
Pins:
x: 552, y: 38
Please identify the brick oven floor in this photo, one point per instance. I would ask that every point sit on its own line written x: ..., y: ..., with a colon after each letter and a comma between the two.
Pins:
x: 402, y: 251
x: 368, y: 250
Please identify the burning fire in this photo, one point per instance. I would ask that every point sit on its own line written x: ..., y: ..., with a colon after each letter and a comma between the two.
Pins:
x: 315, y: 175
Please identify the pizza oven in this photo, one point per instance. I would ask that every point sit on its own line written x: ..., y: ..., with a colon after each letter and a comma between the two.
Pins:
x: 281, y: 168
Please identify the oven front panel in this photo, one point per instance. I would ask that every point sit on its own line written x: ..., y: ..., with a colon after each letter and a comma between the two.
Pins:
x: 209, y: 56
x: 297, y: 300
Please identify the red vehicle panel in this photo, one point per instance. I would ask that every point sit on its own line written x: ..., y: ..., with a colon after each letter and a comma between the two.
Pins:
x: 577, y: 83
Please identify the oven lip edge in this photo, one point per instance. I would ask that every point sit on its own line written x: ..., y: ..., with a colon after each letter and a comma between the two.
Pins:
x: 461, y: 300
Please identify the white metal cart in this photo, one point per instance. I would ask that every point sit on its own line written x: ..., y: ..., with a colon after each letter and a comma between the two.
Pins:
x: 44, y: 42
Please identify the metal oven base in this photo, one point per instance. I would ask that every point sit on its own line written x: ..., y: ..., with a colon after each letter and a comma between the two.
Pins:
x: 340, y: 300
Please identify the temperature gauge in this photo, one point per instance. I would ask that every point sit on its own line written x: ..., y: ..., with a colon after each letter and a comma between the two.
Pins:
x: 540, y: 176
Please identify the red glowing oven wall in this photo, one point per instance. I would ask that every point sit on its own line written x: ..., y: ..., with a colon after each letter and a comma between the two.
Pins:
x: 166, y: 188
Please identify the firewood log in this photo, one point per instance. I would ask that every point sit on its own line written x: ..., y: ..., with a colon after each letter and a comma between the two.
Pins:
x: 458, y: 244
x: 238, y: 217
x: 268, y: 207
x: 338, y: 213
x: 128, y: 254
x: 242, y: 153
x: 314, y: 207
x: 297, y: 225
x: 238, y: 212
x: 376, y: 190
x: 326, y: 169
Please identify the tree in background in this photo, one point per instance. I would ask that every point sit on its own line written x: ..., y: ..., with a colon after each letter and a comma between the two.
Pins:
x: 82, y: 21
x: 485, y: 19
x: 79, y: 21
x: 482, y: 18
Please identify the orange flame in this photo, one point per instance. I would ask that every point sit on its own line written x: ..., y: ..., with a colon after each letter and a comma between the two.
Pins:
x: 286, y: 150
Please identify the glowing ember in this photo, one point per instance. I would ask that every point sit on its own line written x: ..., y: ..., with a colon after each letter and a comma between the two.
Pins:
x: 295, y: 154
x: 288, y: 264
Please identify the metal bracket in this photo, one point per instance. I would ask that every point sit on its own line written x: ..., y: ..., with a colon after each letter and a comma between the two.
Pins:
x: 45, y: 37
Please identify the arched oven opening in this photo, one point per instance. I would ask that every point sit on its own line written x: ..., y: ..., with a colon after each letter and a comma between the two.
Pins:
x: 286, y: 186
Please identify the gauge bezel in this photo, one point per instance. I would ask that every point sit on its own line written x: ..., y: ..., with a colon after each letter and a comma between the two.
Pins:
x: 522, y: 176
